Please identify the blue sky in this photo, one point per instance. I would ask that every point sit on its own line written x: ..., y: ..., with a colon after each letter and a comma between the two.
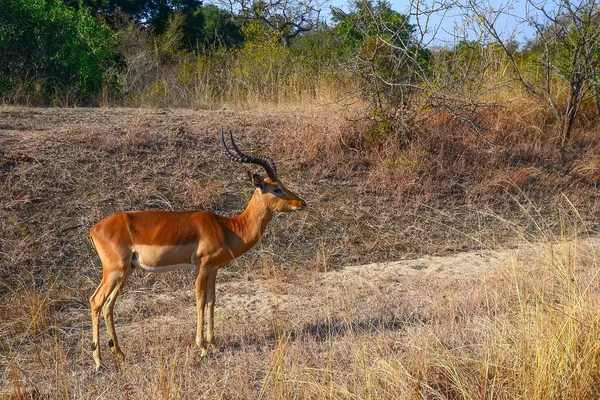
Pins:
x: 453, y: 20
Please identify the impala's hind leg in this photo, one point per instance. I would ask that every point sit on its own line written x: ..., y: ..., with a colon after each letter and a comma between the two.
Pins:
x: 108, y: 284
x: 201, y: 289
x: 108, y: 315
x: 210, y: 309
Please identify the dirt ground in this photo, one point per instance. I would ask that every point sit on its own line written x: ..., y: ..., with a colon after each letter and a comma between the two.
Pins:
x: 319, y: 279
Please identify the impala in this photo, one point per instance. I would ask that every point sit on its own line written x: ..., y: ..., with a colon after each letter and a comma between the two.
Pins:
x: 203, y: 242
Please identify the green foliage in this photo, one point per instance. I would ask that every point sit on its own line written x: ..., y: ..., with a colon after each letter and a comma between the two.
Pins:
x: 570, y: 42
x: 321, y: 53
x: 54, y: 47
x: 368, y: 20
x: 208, y: 27
x: 322, y: 45
x: 262, y: 64
x: 146, y: 13
x: 205, y: 28
x: 382, y: 39
x: 256, y: 35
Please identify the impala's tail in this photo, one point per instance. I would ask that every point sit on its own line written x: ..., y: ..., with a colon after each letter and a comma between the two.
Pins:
x: 93, y: 244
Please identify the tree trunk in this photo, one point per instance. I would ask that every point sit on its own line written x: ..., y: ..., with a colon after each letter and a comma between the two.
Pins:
x: 596, y: 92
x: 571, y: 109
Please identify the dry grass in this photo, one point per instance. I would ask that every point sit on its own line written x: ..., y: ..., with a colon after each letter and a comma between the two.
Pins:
x: 526, y: 327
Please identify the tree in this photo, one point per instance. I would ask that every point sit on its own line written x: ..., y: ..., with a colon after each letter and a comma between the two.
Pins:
x: 565, y: 50
x: 568, y: 41
x: 285, y: 18
x: 387, y: 56
x: 207, y: 27
x: 143, y: 12
x: 201, y: 26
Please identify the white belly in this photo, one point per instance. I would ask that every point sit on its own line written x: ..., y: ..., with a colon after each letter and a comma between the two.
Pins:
x: 164, y: 258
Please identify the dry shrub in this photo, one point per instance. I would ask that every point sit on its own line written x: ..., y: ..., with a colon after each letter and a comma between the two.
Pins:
x: 504, y: 158
x: 522, y: 116
x: 588, y: 170
x: 402, y: 172
x: 316, y: 140
x: 513, y: 181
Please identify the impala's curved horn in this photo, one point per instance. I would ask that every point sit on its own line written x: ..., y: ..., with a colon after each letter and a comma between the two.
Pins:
x: 266, y: 162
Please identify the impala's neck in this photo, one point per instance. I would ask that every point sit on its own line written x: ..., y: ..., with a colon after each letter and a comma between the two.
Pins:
x: 251, y: 224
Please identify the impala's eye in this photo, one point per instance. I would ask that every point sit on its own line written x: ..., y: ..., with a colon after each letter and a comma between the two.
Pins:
x: 277, y: 190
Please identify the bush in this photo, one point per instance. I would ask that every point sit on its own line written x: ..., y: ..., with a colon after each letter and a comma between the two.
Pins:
x: 387, y: 57
x: 50, y: 53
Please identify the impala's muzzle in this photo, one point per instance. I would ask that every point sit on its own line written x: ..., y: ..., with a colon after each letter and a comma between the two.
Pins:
x: 300, y: 205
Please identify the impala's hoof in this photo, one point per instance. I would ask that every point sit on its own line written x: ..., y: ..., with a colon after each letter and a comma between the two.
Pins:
x: 97, y: 358
x: 120, y: 355
x: 116, y: 350
x: 203, y: 352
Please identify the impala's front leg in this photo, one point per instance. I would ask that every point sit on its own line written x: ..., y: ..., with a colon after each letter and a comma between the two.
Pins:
x: 108, y: 310
x: 211, y: 298
x: 201, y: 289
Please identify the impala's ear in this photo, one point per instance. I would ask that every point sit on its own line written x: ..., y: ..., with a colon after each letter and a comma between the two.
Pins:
x: 257, y: 180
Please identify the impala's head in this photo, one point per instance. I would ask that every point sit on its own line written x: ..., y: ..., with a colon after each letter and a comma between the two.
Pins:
x: 271, y: 190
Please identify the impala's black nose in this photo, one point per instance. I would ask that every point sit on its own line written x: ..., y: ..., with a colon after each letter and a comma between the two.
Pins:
x: 303, y: 203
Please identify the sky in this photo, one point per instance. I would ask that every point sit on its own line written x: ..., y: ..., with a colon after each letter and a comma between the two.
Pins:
x: 452, y: 21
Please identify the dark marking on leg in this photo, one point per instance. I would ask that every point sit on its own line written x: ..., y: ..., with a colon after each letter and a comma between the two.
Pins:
x: 94, y: 346
x: 111, y: 343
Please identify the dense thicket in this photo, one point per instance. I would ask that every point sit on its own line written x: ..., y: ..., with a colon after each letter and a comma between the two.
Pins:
x: 47, y: 48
